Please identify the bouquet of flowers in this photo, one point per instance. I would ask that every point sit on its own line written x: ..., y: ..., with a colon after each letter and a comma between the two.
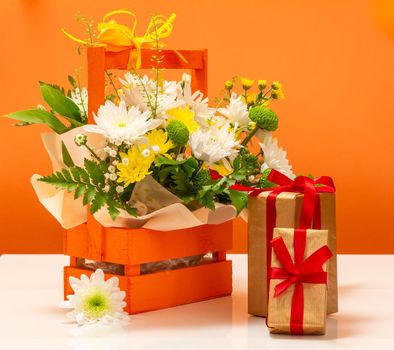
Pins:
x: 154, y: 144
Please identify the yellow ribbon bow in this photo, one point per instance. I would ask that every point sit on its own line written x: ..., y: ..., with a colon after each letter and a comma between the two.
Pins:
x: 117, y: 37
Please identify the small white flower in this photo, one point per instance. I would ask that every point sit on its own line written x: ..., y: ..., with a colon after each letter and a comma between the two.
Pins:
x: 107, y: 175
x: 155, y: 148
x: 236, y: 111
x: 146, y: 152
x: 115, y: 162
x: 252, y: 178
x: 95, y: 300
x: 107, y: 149
x: 120, y: 124
x: 119, y: 189
x: 106, y: 188
x: 275, y: 157
x: 111, y: 169
x: 215, y: 144
x: 113, y: 177
x: 112, y: 153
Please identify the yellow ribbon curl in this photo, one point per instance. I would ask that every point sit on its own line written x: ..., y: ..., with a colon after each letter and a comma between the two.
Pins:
x: 117, y: 37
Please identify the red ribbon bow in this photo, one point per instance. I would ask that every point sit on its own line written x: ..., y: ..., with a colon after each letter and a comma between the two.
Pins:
x: 301, y: 271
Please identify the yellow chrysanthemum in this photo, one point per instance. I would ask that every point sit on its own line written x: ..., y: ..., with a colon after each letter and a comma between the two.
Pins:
x: 159, y: 142
x: 185, y: 115
x: 246, y: 83
x: 134, y: 166
x: 221, y: 169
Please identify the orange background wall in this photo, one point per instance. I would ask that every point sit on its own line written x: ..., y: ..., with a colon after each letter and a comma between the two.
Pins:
x: 335, y: 59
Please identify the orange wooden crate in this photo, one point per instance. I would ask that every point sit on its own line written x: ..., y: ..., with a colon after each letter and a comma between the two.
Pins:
x: 134, y: 247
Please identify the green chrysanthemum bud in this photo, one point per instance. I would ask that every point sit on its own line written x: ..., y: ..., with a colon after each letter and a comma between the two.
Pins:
x: 80, y: 140
x: 264, y: 182
x: 202, y: 178
x: 264, y: 117
x: 178, y: 132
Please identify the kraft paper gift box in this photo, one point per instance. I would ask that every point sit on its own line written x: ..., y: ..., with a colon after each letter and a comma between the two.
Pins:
x: 288, y: 211
x: 297, y: 290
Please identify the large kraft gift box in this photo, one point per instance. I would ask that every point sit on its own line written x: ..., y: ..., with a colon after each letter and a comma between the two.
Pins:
x: 298, y: 291
x: 288, y: 211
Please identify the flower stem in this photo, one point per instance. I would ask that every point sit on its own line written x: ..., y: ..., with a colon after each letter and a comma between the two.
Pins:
x: 93, y: 153
x: 112, y: 83
x: 251, y: 134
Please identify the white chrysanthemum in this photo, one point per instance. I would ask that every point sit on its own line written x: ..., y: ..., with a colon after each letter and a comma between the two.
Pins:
x: 236, y: 111
x: 215, y: 144
x: 202, y: 112
x: 120, y: 124
x: 275, y: 157
x: 141, y: 92
x: 96, y: 301
x: 80, y: 98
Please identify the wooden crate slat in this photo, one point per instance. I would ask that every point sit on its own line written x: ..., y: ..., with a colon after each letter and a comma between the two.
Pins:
x: 194, y: 58
x: 139, y: 246
x: 168, y: 288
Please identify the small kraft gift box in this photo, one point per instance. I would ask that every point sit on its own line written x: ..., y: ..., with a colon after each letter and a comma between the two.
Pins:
x: 281, y: 207
x: 297, y: 289
x: 135, y: 255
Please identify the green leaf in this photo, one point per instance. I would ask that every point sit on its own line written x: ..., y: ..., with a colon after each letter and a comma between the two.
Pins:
x: 39, y: 116
x: 94, y: 171
x: 84, y: 175
x: 67, y: 175
x: 60, y: 103
x: 130, y: 210
x: 239, y: 199
x: 89, y: 195
x: 79, y: 191
x: 66, y: 156
x: 75, y: 173
x: 97, y: 202
x: 113, y: 212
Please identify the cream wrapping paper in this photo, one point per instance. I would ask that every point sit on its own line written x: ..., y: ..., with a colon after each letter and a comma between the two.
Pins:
x: 288, y: 213
x: 315, y: 295
x: 167, y: 211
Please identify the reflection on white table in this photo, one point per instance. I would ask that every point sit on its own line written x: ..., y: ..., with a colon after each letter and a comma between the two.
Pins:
x: 31, y: 288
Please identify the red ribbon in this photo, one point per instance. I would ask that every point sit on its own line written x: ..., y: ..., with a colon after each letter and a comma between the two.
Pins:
x: 301, y: 271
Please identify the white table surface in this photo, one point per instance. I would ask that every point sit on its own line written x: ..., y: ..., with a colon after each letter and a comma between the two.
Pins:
x: 31, y: 288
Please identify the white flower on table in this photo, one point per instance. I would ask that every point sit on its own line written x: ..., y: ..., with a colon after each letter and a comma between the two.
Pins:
x: 236, y: 111
x: 215, y: 144
x: 96, y: 302
x: 120, y: 124
x: 275, y: 157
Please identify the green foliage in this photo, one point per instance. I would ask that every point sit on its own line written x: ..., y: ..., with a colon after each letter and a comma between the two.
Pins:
x: 239, y: 199
x: 88, y: 185
x: 264, y: 182
x: 39, y: 116
x: 61, y: 104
